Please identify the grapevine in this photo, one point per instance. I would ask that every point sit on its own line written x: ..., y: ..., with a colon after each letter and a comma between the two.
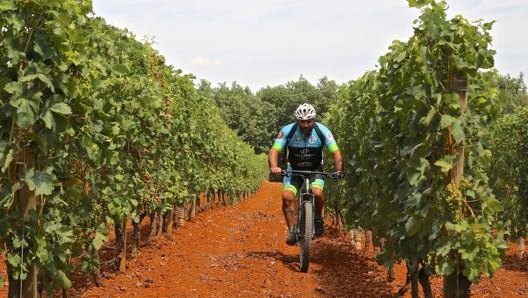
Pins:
x: 89, y: 113
x: 416, y: 138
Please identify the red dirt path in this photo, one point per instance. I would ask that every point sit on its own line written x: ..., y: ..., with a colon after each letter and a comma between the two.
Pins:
x: 239, y: 251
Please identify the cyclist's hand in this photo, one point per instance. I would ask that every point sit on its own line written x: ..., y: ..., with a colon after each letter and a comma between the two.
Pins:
x: 339, y: 175
x: 276, y: 170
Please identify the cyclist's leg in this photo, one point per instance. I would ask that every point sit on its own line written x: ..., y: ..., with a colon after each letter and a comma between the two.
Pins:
x: 319, y: 201
x: 317, y: 187
x: 289, y: 207
x: 290, y: 186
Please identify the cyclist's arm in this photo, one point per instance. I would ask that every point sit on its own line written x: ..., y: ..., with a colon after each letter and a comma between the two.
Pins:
x: 273, y: 160
x: 332, y: 147
x: 276, y: 149
x: 338, y: 160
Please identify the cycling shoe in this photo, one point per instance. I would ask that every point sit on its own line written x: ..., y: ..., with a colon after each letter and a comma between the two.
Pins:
x: 292, y: 236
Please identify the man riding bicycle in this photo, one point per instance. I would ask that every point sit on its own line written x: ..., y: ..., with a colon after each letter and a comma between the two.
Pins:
x: 305, y: 152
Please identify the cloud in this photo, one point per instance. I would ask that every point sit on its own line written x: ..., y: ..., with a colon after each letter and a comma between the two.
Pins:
x: 266, y: 41
x: 202, y: 61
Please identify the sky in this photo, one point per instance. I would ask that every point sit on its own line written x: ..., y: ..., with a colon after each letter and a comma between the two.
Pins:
x: 260, y: 43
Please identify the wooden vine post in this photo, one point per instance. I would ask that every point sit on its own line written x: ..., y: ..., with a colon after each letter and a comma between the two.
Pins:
x: 27, y: 204
x: 458, y: 84
x: 456, y: 285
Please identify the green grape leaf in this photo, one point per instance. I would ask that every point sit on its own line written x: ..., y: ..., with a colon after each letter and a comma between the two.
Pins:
x: 61, y: 108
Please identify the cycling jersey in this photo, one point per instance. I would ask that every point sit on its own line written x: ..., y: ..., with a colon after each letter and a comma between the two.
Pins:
x: 305, y: 153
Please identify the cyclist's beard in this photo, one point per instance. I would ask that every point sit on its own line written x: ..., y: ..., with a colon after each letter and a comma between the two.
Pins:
x: 307, y: 131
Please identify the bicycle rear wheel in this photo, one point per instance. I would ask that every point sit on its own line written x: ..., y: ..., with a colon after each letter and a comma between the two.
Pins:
x: 306, y: 233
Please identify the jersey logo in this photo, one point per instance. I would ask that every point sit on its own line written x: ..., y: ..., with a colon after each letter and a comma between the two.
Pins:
x: 305, y: 154
x: 280, y: 135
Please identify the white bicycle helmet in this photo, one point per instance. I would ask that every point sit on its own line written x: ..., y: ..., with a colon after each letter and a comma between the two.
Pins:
x: 305, y: 111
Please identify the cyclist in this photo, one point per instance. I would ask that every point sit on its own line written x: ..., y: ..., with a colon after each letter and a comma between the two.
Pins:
x: 305, y: 152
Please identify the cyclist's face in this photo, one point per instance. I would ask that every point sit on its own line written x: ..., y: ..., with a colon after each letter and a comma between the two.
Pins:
x: 306, y: 126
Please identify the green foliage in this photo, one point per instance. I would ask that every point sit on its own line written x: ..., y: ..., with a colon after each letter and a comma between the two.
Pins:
x: 244, y: 113
x: 256, y: 118
x: 512, y: 93
x: 417, y: 150
x: 284, y: 99
x: 95, y: 129
x: 509, y: 167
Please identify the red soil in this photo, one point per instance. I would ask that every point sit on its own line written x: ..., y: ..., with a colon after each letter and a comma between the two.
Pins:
x: 239, y: 251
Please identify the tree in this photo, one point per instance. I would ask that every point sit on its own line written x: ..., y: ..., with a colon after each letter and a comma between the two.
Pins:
x: 512, y: 93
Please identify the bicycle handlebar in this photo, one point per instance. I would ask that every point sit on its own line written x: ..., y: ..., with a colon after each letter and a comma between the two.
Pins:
x: 334, y: 175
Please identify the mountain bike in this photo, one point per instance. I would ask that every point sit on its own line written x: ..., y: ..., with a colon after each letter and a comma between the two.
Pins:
x: 305, y: 227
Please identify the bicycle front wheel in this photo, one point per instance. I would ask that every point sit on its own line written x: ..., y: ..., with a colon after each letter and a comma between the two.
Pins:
x: 306, y: 233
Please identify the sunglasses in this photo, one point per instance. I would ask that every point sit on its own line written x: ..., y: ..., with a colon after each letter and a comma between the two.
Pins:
x: 306, y: 121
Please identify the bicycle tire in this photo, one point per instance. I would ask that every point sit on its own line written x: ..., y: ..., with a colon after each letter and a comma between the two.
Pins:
x: 306, y: 233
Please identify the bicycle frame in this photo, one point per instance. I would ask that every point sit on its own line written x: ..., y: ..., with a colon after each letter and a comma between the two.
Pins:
x: 305, y: 214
